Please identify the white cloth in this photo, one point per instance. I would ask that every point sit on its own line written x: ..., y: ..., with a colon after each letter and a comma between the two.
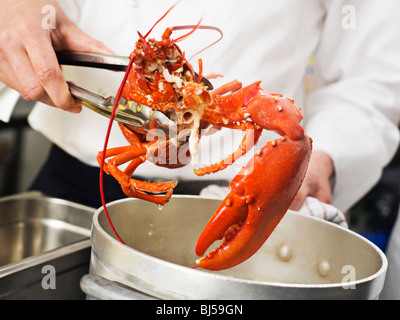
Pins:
x: 214, y: 192
x: 311, y: 206
x: 315, y: 208
x: 352, y: 116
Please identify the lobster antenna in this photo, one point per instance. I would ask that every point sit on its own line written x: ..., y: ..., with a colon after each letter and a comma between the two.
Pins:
x: 194, y: 28
x: 112, y: 117
x: 200, y: 27
x: 168, y: 11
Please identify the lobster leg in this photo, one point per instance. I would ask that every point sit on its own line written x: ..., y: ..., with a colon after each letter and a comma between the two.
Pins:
x: 135, y: 154
x: 140, y: 189
x: 251, y: 211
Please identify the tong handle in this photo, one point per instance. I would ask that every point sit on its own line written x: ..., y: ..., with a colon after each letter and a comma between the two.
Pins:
x: 104, y: 106
x: 103, y: 61
x: 91, y: 100
x: 137, y: 116
x: 84, y: 95
x: 93, y: 60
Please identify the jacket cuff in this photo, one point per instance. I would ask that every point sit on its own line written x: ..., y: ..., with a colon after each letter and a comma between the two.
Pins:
x: 8, y: 100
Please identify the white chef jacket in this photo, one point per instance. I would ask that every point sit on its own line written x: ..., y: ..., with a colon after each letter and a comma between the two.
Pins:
x: 353, y: 116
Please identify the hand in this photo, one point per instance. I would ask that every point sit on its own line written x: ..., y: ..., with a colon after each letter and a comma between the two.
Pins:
x: 317, y: 180
x: 28, y: 62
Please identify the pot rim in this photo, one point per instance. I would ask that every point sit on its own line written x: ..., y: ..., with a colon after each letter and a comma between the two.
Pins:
x: 381, y: 272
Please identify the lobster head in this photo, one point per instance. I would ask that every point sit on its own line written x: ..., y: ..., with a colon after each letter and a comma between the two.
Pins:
x: 164, y: 80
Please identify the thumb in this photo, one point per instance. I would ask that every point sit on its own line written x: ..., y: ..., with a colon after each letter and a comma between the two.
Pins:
x: 78, y: 40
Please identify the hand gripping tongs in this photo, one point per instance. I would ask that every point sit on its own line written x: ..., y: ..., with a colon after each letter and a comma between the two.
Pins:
x: 131, y: 113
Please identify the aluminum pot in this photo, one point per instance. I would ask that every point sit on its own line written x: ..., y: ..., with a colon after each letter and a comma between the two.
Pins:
x: 304, y: 258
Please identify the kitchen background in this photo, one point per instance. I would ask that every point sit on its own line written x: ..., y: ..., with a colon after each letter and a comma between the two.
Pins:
x: 23, y: 152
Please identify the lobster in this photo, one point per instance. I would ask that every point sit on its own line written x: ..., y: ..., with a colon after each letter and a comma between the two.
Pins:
x: 160, y: 77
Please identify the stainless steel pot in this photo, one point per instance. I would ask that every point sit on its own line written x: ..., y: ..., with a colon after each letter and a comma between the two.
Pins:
x: 37, y: 232
x: 305, y: 258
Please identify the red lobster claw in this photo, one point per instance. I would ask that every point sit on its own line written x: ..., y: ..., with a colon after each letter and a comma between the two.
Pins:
x: 260, y: 194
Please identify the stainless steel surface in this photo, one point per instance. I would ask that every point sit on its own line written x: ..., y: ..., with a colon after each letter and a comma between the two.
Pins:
x: 131, y: 113
x: 305, y: 258
x: 99, y: 288
x: 36, y: 231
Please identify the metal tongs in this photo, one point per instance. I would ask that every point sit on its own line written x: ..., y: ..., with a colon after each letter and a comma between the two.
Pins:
x: 131, y: 113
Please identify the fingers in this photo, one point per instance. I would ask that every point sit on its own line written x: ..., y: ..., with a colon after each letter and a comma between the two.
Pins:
x: 21, y: 76
x: 320, y: 192
x: 7, y: 75
x: 50, y: 80
x: 316, y: 183
x: 34, y: 73
x: 28, y: 61
x: 17, y: 73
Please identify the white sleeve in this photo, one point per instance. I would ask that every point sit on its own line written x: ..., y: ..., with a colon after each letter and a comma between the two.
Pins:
x: 8, y: 99
x: 354, y: 114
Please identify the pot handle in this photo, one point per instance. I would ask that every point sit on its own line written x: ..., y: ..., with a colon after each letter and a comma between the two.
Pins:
x: 98, y: 288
